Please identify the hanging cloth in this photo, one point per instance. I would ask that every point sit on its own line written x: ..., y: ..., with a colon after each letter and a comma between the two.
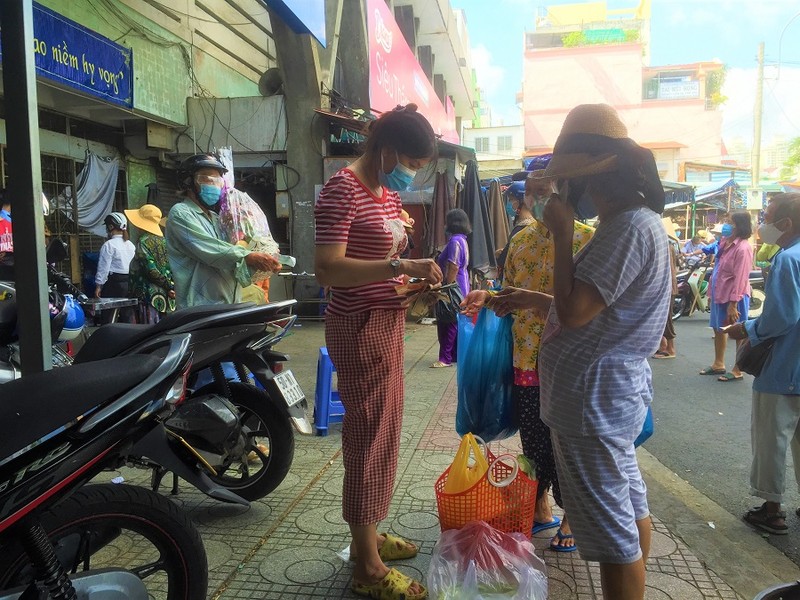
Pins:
x: 435, y: 239
x: 96, y: 183
x: 481, y: 241
x: 498, y: 215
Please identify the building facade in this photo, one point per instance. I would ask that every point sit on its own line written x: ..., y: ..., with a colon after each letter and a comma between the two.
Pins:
x: 585, y: 53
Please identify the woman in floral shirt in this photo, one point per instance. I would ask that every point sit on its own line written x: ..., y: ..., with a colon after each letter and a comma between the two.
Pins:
x: 151, y: 277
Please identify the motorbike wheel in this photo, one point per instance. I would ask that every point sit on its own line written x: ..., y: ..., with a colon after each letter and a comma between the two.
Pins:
x: 678, y: 307
x: 756, y: 303
x: 269, y: 450
x: 120, y: 526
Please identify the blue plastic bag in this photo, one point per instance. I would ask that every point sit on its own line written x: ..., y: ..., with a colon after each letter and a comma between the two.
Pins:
x: 485, y: 377
x: 647, y: 429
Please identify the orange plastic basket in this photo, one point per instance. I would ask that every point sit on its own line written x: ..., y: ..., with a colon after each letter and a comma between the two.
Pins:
x: 508, y: 509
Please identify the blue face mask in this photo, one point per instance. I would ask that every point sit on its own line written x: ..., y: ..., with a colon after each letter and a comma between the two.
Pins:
x: 399, y: 179
x: 209, y: 194
x: 727, y: 230
x: 511, y: 211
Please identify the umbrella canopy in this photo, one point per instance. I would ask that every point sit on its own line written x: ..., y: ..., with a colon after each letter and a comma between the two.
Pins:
x: 481, y: 242
x: 434, y: 238
x: 498, y: 216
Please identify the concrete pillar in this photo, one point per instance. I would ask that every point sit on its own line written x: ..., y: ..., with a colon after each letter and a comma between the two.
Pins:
x: 298, y: 60
x: 305, y: 65
x: 25, y: 185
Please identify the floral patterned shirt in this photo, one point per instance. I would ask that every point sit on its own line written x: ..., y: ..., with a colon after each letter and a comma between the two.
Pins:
x: 529, y: 266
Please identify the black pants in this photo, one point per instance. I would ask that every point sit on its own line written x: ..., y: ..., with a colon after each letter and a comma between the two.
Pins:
x: 116, y: 287
x: 535, y: 436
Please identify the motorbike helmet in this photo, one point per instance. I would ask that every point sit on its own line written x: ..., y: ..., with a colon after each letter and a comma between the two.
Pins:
x: 116, y: 220
x: 193, y: 164
x: 75, y: 319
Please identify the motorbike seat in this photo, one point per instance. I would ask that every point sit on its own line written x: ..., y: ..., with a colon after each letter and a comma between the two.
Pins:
x: 111, y: 340
x: 38, y: 404
x: 115, y: 338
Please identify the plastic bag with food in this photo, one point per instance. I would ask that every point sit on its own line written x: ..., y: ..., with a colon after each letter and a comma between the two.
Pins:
x: 244, y: 223
x: 477, y: 562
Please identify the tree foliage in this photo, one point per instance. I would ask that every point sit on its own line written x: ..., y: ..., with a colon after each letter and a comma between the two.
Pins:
x: 791, y: 167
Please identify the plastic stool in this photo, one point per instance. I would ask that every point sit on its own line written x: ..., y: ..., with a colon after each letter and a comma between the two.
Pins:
x: 327, y: 406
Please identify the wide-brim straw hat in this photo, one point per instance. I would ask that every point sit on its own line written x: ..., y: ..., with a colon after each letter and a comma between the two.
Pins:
x: 585, y: 120
x: 147, y: 218
x: 670, y: 227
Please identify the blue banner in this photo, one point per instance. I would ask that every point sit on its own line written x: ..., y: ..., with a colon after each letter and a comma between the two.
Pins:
x: 72, y: 55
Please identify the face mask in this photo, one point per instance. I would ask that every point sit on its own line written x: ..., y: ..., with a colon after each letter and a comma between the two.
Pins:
x: 727, y: 230
x: 511, y: 210
x: 769, y: 234
x: 537, y: 206
x: 399, y: 179
x: 209, y: 194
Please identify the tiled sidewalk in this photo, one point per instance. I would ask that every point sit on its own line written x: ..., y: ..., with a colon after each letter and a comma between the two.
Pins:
x: 286, y: 545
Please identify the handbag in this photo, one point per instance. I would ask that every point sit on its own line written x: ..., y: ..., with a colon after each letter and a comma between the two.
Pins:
x: 447, y: 309
x: 751, y: 359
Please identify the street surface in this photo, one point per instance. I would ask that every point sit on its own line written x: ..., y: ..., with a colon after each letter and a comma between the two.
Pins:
x: 702, y: 430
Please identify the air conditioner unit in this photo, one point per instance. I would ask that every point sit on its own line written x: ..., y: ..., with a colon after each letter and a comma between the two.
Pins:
x: 755, y: 199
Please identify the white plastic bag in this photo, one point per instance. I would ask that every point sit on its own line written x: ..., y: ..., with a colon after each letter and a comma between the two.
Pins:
x: 244, y: 223
x: 477, y: 562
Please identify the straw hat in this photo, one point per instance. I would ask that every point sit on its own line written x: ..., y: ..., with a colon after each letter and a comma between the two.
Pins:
x: 670, y: 227
x: 585, y: 120
x: 147, y: 218
x: 702, y: 234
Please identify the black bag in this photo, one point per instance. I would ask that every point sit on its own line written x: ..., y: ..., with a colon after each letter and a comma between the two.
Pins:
x: 447, y: 310
x: 751, y: 359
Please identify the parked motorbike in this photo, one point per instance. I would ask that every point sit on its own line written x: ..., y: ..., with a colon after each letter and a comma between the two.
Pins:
x: 232, y: 347
x: 60, y: 539
x: 757, y: 295
x: 693, y: 283
x: 254, y: 457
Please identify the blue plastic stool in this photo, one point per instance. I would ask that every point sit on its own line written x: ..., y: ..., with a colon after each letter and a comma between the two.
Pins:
x: 328, y: 407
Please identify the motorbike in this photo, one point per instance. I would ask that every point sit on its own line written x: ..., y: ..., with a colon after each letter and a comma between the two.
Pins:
x: 63, y: 539
x: 243, y: 404
x: 234, y: 360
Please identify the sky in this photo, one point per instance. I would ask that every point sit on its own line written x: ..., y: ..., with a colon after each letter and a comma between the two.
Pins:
x: 682, y: 31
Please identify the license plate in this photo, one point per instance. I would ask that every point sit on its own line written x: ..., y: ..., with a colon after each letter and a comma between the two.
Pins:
x: 289, y: 387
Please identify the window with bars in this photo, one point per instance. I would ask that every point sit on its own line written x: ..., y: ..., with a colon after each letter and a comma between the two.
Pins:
x: 481, y: 144
x: 504, y: 143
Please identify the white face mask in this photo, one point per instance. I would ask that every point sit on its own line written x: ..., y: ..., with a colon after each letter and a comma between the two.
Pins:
x: 769, y: 234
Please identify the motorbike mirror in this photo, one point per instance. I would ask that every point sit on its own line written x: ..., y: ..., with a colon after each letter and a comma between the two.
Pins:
x: 57, y: 250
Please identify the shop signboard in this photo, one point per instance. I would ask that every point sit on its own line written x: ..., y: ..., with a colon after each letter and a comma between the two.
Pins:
x: 678, y: 90
x: 72, y: 55
x: 395, y: 76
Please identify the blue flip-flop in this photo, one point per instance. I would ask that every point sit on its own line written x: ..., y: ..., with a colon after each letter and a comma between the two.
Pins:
x: 537, y: 526
x: 561, y: 537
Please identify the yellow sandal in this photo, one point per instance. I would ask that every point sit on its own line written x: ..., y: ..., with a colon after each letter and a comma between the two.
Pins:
x: 395, y: 548
x: 394, y: 586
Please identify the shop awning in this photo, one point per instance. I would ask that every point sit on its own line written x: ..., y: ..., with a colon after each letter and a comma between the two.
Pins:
x: 677, y: 194
x: 721, y: 195
x: 359, y: 126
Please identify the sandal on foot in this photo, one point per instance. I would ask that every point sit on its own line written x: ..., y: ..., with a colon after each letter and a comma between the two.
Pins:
x: 661, y: 354
x: 766, y: 521
x: 395, y: 548
x: 543, y: 526
x: 440, y: 365
x: 555, y: 543
x: 712, y: 371
x: 394, y: 586
x: 730, y: 377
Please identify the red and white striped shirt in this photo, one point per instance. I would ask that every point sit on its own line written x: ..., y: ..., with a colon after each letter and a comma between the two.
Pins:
x: 348, y: 213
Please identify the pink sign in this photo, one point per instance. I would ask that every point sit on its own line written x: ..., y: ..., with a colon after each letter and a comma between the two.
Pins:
x: 395, y: 76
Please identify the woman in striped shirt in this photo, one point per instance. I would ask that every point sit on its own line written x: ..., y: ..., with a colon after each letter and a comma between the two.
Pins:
x: 359, y: 239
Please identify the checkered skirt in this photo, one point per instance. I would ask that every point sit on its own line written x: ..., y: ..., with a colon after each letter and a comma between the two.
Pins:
x: 367, y: 350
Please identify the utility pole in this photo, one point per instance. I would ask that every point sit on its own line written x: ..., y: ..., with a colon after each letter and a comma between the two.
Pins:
x: 756, y: 157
